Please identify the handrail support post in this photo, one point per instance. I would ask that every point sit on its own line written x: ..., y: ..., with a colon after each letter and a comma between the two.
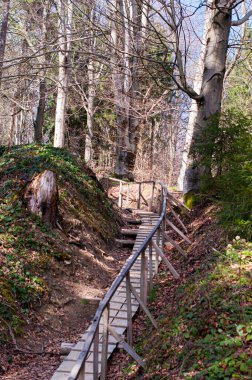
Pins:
x: 104, y: 357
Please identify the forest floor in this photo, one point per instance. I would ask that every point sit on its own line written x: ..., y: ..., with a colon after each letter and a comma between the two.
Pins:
x: 62, y: 316
x: 205, y: 317
x: 51, y: 279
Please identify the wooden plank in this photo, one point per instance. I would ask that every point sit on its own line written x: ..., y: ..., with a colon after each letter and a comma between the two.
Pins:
x: 132, y: 221
x: 178, y: 220
x: 143, y: 306
x: 61, y: 376
x: 146, y: 203
x: 175, y: 245
x: 126, y: 346
x: 129, y: 232
x: 125, y: 241
x: 178, y: 203
x: 167, y: 262
x: 178, y: 231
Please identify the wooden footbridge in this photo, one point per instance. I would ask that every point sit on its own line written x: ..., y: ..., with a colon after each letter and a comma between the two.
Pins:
x: 112, y: 324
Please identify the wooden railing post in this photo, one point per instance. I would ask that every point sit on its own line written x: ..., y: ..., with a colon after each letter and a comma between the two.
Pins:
x: 120, y: 195
x: 104, y: 356
x: 150, y: 266
x: 152, y: 196
x: 156, y: 255
x: 161, y: 201
x: 82, y: 373
x: 144, y: 278
x: 139, y: 197
x: 96, y: 355
x: 163, y: 226
x: 156, y: 201
x: 107, y: 186
x: 129, y: 310
x: 128, y: 193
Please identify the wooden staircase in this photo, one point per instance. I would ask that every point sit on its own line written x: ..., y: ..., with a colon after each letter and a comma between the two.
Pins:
x: 118, y: 308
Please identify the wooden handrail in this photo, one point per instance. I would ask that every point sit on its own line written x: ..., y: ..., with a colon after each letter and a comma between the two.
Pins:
x: 124, y: 274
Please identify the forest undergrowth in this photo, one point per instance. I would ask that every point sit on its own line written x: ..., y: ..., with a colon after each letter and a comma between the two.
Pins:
x: 204, y: 318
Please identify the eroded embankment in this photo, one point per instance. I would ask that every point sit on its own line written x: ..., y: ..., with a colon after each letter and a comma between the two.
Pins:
x: 50, y: 276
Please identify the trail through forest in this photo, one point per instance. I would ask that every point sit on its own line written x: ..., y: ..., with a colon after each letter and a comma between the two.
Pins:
x: 62, y: 317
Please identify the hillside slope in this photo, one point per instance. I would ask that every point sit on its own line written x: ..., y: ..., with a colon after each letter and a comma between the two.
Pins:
x: 205, y: 318
x: 48, y: 277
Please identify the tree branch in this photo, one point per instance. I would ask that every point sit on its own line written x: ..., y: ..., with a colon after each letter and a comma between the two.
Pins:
x: 242, y: 20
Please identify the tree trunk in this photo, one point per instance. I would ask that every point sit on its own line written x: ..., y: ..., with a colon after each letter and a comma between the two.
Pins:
x: 41, y: 196
x: 90, y: 99
x: 3, y: 34
x: 39, y: 121
x: 212, y: 87
x: 197, y: 84
x: 65, y: 28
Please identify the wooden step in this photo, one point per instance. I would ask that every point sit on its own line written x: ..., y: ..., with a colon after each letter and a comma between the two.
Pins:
x: 133, y: 221
x: 125, y: 241
x: 129, y: 232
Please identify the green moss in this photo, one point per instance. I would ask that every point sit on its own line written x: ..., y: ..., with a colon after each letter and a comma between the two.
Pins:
x: 191, y: 199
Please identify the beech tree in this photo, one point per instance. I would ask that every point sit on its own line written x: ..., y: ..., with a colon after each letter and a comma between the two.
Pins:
x: 206, y: 93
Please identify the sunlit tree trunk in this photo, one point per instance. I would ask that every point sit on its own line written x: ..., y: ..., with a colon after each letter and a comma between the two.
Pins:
x: 197, y: 84
x: 211, y: 90
x: 65, y: 28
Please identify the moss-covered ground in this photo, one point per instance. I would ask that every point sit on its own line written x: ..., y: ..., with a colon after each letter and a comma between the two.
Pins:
x: 27, y: 245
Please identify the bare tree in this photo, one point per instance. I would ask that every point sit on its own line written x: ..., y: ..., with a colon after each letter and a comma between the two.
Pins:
x: 65, y: 11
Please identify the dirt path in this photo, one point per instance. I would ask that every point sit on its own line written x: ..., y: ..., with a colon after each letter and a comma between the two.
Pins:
x: 65, y: 314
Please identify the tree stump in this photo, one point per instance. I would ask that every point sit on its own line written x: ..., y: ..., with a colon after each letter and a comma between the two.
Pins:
x: 41, y: 196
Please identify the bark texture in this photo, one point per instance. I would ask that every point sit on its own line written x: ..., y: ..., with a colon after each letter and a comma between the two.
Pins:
x: 197, y: 85
x: 212, y: 86
x: 39, y: 121
x: 41, y: 196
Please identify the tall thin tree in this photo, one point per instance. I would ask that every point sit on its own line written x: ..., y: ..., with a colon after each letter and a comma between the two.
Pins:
x: 65, y: 12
